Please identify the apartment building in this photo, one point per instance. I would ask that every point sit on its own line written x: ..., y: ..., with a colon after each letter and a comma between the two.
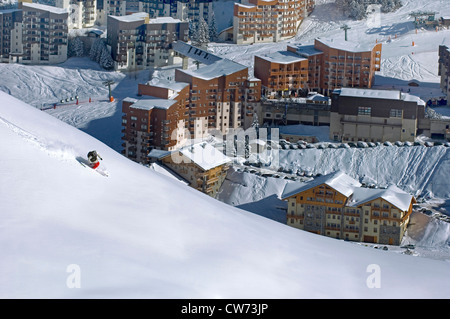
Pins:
x: 311, y: 110
x: 34, y: 34
x: 222, y: 96
x: 82, y: 13
x: 138, y: 42
x: 335, y: 205
x: 155, y: 121
x: 11, y: 46
x: 184, y: 10
x: 336, y: 64
x: 374, y: 115
x: 321, y: 67
x: 444, y: 69
x: 257, y: 21
x: 282, y: 73
x: 201, y: 165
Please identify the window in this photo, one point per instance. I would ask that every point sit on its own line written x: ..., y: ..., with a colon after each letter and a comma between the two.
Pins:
x: 363, y: 110
x: 396, y: 113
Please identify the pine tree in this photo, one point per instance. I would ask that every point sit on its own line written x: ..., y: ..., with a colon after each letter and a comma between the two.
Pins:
x: 213, y: 37
x: 192, y: 30
x: 96, y: 48
x: 106, y: 60
x: 100, y: 54
x: 202, y: 34
x: 78, y: 47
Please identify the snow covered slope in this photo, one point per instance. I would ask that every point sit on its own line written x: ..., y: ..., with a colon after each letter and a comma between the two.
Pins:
x: 129, y: 238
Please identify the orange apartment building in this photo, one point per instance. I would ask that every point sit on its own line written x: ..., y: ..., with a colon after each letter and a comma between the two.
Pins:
x: 219, y: 96
x: 282, y: 73
x: 336, y: 64
x: 322, y: 67
x: 155, y: 121
x: 222, y: 97
x: 336, y: 205
x: 257, y: 21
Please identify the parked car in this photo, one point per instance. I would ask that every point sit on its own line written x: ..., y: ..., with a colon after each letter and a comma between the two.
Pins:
x: 408, y: 144
x: 362, y: 144
x: 387, y: 143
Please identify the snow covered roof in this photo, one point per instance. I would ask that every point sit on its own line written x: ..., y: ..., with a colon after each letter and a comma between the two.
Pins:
x: 166, y: 84
x: 339, y: 181
x: 282, y: 57
x: 392, y: 194
x: 195, y: 53
x: 306, y: 50
x: 151, y: 103
x: 162, y: 20
x: 219, y: 68
x: 158, y: 153
x: 347, y: 186
x: 346, y: 45
x: 137, y: 16
x: 44, y: 7
x: 9, y: 11
x: 379, y: 94
x: 205, y: 155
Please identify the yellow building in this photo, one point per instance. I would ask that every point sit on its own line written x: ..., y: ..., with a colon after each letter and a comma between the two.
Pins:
x: 337, y: 206
x: 201, y: 165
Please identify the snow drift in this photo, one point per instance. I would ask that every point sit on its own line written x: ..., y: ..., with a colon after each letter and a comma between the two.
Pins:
x: 139, y: 234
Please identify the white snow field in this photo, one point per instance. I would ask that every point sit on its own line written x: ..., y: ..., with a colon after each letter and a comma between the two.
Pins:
x: 126, y: 237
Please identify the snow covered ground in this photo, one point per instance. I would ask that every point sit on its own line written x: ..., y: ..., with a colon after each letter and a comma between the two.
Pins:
x: 68, y: 232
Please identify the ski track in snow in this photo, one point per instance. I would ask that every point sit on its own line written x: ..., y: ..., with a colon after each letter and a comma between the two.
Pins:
x: 55, y: 148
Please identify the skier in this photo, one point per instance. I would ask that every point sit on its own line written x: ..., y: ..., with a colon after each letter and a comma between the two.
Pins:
x: 93, y: 157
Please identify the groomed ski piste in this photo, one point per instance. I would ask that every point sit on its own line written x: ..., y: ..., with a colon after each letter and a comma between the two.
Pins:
x: 56, y: 213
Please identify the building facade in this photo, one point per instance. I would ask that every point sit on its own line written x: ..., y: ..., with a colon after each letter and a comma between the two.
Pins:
x: 138, y: 42
x: 337, y: 64
x: 282, y: 73
x: 222, y: 97
x: 82, y: 13
x: 311, y: 110
x: 184, y: 10
x: 257, y: 21
x: 11, y: 46
x: 374, y: 115
x: 337, y: 206
x: 156, y: 121
x: 34, y: 34
x: 201, y: 165
x: 321, y: 67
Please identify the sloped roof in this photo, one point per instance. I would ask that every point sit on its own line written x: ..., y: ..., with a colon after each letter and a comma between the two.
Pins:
x: 205, y: 155
x: 217, y: 69
x: 392, y: 194
x: 339, y: 181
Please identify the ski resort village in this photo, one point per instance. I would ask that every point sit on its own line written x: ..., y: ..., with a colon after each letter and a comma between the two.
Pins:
x: 205, y: 149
